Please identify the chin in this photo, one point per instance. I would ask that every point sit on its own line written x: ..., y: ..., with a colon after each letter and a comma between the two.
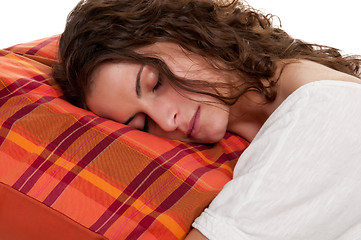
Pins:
x: 214, y: 137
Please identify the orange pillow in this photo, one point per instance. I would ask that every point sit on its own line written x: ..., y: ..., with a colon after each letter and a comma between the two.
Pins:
x: 110, y: 178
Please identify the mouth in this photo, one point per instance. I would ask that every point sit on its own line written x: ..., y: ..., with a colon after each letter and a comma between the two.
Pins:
x: 194, y: 124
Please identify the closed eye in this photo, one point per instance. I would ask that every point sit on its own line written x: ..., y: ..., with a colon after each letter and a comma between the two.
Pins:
x: 129, y: 120
x: 159, y: 83
x: 146, y: 124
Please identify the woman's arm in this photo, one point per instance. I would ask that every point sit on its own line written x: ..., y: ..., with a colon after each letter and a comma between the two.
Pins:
x: 194, y: 234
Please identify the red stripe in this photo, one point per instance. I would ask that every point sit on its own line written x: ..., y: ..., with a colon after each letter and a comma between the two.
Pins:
x: 173, y: 198
x: 35, y: 49
x: 19, y: 87
x: 72, y: 174
x: 118, y: 208
x: 136, y: 188
x: 195, y: 176
x: 8, y: 124
x: 148, y: 220
x: 140, y: 184
x: 168, y: 203
x: 58, y: 147
x: 44, y: 79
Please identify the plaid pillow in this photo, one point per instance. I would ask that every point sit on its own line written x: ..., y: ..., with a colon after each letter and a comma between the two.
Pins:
x: 110, y: 178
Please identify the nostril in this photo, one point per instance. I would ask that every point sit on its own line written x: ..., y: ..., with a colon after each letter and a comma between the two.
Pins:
x: 175, y: 116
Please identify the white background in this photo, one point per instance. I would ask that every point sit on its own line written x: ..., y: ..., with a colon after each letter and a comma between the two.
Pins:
x: 327, y: 22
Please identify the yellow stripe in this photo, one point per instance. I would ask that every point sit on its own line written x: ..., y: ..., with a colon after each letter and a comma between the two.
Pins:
x: 61, y: 162
x: 25, y: 63
x: 172, y: 225
x: 179, y: 168
x: 166, y: 220
x: 23, y: 142
x: 138, y: 204
x: 100, y: 183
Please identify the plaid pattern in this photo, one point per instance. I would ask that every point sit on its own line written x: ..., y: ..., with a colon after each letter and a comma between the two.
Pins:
x: 110, y: 178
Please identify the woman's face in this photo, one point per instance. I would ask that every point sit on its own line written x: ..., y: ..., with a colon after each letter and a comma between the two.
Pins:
x: 136, y: 95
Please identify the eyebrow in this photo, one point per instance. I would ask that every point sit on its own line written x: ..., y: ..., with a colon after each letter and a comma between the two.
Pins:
x: 138, y: 91
x: 137, y: 83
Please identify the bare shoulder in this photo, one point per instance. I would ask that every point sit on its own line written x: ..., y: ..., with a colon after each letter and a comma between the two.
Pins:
x: 300, y: 72
x: 194, y: 234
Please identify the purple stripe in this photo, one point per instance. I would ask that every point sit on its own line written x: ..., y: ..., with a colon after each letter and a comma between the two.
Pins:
x: 41, y: 164
x: 189, y: 151
x: 36, y: 48
x: 140, y: 228
x: 20, y: 87
x: 8, y: 124
x: 72, y: 174
x: 148, y: 220
x: 168, y: 203
x: 10, y: 48
x: 168, y: 159
x: 225, y: 157
x: 44, y: 79
x: 40, y: 160
x: 151, y: 172
x: 59, y: 189
x: 118, y: 208
x: 37, y: 168
x: 138, y: 186
x: 14, y: 88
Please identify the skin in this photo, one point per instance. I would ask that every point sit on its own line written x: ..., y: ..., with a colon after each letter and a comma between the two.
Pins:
x: 171, y: 112
x: 176, y: 114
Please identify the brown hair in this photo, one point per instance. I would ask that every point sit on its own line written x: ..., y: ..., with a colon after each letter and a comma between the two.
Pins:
x: 239, y: 38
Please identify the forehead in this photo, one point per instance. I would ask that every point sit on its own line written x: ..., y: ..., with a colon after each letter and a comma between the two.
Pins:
x: 180, y: 61
x: 112, y: 84
x: 105, y: 72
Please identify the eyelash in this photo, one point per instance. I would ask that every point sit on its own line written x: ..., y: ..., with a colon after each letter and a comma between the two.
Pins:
x: 159, y: 83
x: 146, y: 126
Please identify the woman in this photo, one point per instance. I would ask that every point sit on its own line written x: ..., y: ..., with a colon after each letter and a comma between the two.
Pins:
x: 192, y: 70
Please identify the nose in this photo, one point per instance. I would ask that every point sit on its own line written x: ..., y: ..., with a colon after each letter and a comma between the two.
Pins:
x: 164, y: 113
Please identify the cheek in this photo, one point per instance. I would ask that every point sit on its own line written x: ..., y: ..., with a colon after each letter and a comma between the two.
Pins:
x: 215, y: 126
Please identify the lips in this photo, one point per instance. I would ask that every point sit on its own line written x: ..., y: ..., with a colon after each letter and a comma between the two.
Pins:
x: 194, y: 124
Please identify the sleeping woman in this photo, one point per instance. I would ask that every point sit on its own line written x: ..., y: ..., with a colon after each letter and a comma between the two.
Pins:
x: 193, y: 69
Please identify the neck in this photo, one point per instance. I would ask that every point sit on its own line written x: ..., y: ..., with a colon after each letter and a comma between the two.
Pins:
x: 249, y: 113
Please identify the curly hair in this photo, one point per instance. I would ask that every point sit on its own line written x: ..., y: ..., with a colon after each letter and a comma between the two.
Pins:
x: 231, y: 35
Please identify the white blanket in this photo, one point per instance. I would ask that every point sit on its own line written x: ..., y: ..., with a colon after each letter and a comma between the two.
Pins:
x: 301, y: 176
